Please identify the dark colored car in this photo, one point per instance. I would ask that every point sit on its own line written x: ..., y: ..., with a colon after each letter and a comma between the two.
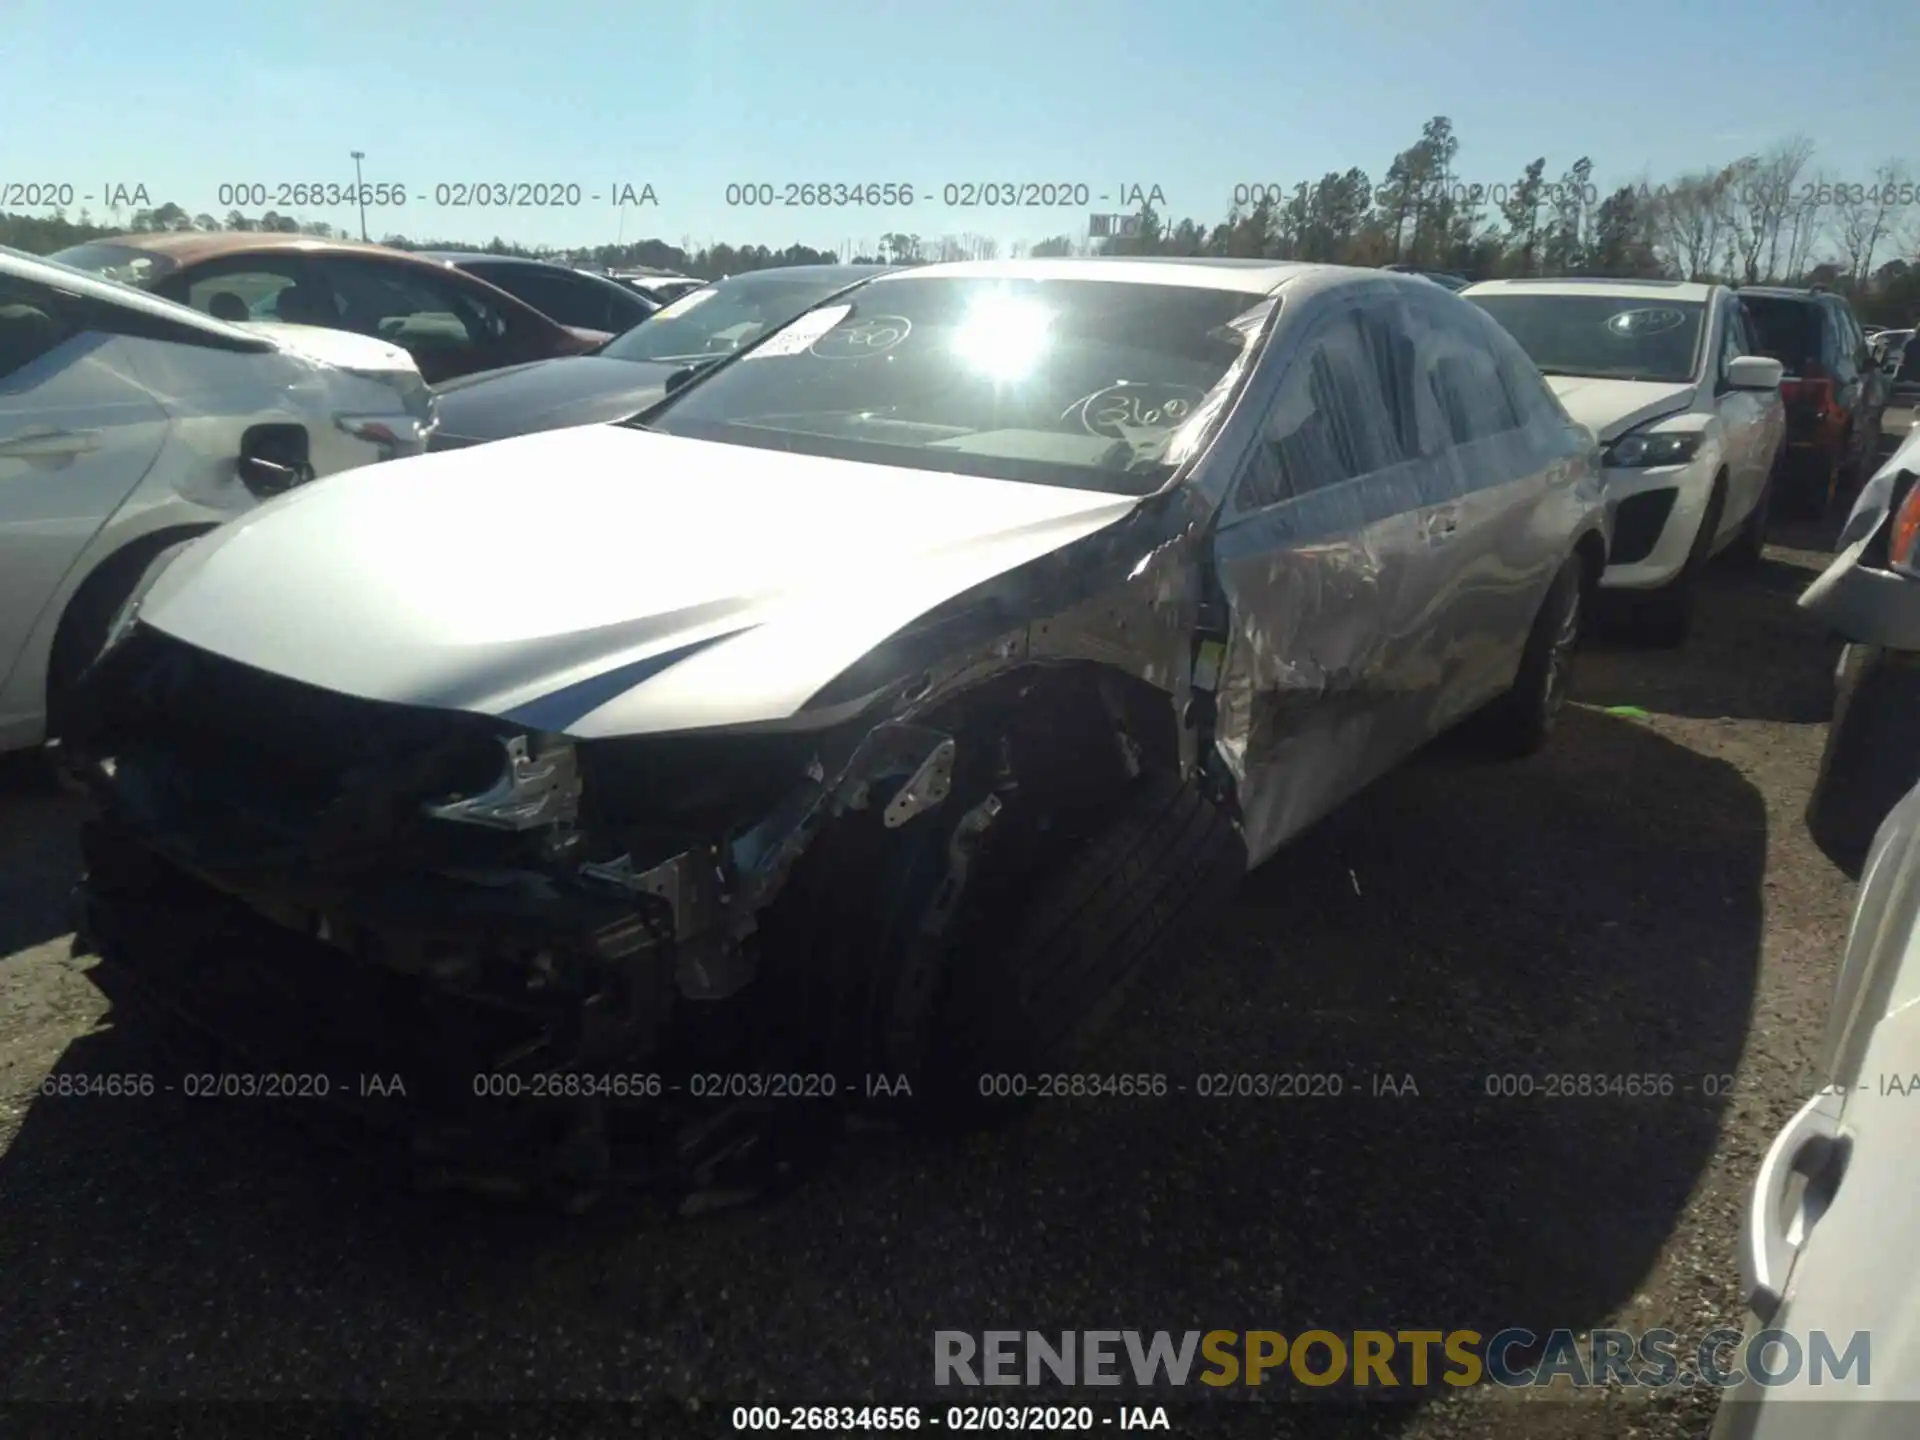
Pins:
x: 1834, y: 391
x: 451, y: 323
x: 631, y: 372
x: 1902, y: 367
x: 662, y: 287
x: 573, y: 297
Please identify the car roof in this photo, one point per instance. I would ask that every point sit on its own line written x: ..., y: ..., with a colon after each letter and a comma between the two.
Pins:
x: 1686, y: 290
x: 34, y: 268
x: 190, y: 246
x: 1251, y: 277
x: 1790, y: 292
x: 467, y: 257
x: 846, y: 273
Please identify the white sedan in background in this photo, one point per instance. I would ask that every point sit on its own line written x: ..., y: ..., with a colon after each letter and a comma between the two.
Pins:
x: 129, y: 424
x: 1689, y: 418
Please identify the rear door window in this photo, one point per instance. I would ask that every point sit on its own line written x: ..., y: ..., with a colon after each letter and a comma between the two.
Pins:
x: 1785, y: 330
x: 424, y: 313
x: 1331, y: 419
x: 569, y: 299
x: 1473, y: 400
x: 32, y: 324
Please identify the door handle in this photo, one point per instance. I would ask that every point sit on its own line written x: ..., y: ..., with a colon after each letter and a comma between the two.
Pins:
x: 1441, y: 525
x: 1812, y: 1148
x: 39, y: 444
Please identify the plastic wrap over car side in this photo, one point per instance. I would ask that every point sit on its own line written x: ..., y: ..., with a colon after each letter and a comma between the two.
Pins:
x: 1336, y: 636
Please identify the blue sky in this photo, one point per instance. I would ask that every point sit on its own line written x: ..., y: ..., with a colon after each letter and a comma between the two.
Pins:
x: 1194, y: 98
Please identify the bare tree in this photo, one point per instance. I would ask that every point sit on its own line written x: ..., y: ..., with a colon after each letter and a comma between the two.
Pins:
x: 1760, y: 194
x: 1809, y: 212
x: 1868, y: 217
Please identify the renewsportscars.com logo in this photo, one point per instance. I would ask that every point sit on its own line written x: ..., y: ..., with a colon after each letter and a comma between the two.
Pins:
x: 1390, y: 1359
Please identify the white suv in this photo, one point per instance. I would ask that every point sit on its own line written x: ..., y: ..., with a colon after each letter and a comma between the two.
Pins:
x: 1689, y: 418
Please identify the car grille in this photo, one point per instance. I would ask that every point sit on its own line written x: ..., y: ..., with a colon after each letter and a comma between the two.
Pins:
x: 1637, y: 523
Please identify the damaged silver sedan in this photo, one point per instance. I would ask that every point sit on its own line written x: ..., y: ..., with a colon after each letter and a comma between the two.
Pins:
x: 875, y: 705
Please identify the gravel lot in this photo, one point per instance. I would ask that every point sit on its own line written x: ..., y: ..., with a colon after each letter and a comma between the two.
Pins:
x: 1641, y: 899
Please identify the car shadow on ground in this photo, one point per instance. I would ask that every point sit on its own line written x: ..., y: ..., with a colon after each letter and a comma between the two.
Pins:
x: 1422, y: 966
x: 39, y: 854
x: 1752, y: 655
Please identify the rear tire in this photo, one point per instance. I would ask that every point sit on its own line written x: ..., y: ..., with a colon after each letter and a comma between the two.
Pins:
x: 1522, y: 720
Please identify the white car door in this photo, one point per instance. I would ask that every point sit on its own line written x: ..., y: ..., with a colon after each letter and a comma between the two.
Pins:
x: 1743, y: 423
x: 1832, y: 1229
x: 78, y: 431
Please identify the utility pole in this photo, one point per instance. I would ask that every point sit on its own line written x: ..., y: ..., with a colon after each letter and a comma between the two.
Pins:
x: 360, y: 190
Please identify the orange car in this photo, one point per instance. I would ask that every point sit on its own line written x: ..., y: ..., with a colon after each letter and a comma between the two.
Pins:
x: 451, y: 322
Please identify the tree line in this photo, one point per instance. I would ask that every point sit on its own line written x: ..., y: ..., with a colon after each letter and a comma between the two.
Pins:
x: 1770, y: 216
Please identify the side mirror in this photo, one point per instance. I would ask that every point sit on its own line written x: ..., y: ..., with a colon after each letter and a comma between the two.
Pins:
x: 1755, y: 372
x: 274, y: 459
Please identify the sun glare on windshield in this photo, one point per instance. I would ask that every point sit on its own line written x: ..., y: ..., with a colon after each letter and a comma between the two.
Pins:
x: 1003, y: 337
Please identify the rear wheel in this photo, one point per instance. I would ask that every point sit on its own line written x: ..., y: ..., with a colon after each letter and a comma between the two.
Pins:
x: 1523, y: 719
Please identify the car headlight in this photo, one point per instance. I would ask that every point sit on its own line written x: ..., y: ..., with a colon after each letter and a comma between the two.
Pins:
x: 1641, y: 452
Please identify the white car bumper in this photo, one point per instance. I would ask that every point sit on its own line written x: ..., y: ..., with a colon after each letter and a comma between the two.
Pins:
x: 1656, y: 516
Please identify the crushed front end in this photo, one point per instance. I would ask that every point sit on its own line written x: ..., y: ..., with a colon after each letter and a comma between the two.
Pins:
x: 538, y: 939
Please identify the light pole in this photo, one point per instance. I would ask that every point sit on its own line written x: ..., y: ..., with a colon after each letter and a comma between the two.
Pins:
x: 360, y: 190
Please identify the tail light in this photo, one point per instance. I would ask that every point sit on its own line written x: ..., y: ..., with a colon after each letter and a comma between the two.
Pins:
x: 1814, y: 393
x: 1906, y: 531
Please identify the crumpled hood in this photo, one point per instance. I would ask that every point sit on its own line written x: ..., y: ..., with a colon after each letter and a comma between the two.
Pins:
x: 603, y: 580
x: 1610, y: 408
x: 549, y: 395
